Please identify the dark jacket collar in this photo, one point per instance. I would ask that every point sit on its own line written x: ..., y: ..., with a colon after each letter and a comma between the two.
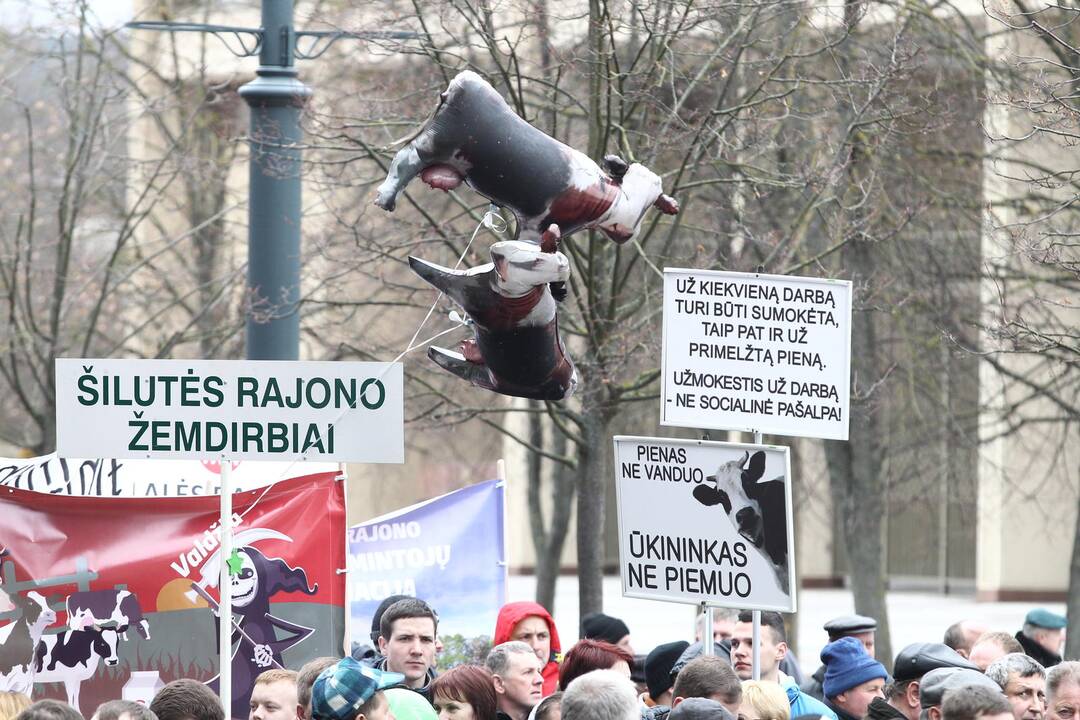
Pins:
x: 1038, y: 652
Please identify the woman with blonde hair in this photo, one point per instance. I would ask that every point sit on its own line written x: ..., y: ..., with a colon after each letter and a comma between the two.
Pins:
x: 763, y: 701
x: 11, y: 704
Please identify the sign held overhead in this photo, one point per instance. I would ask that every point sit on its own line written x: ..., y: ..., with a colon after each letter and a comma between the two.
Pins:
x: 705, y: 522
x: 767, y: 353
x: 235, y: 409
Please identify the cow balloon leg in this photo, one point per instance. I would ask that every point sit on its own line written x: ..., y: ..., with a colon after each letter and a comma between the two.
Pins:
x: 475, y: 373
x: 405, y: 166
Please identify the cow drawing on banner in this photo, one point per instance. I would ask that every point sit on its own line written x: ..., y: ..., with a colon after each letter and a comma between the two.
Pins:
x: 258, y: 648
x: 73, y: 656
x: 757, y: 510
x: 19, y: 639
x: 118, y: 609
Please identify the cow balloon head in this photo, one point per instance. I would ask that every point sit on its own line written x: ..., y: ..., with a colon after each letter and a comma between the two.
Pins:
x: 476, y: 138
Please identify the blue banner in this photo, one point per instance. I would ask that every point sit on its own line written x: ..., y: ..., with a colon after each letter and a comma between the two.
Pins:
x: 448, y: 551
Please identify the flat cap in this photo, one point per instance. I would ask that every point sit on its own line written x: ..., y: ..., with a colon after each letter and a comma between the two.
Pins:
x: 1041, y: 617
x: 917, y: 659
x: 849, y: 625
x: 937, y: 682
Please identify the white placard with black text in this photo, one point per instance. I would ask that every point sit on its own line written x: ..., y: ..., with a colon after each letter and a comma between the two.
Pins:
x: 235, y: 409
x: 763, y: 353
x: 705, y: 522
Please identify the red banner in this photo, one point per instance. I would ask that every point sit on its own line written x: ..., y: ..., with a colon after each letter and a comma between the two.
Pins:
x: 111, y: 597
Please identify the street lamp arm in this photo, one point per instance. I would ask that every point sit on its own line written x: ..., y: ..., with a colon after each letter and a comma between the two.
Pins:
x: 240, y: 33
x: 323, y: 39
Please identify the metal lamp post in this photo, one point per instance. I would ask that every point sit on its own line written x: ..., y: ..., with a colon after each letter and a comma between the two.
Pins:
x: 276, y: 97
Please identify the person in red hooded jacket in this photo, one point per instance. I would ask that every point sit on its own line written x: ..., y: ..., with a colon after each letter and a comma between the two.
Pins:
x: 530, y: 623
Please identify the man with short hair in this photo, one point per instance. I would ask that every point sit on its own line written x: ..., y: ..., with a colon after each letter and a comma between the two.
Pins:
x: 701, y: 709
x: 519, y: 686
x: 349, y: 690
x: 723, y: 624
x: 122, y: 710
x: 186, y: 699
x: 1063, y: 691
x: 708, y: 677
x: 531, y: 623
x: 599, y: 695
x: 49, y: 710
x: 860, y: 627
x: 993, y: 646
x: 773, y: 649
x: 407, y: 642
x: 936, y: 684
x: 901, y: 701
x: 962, y: 635
x: 1024, y: 681
x: 975, y: 703
x: 305, y: 679
x: 1042, y: 636
x: 273, y: 696
x: 852, y: 680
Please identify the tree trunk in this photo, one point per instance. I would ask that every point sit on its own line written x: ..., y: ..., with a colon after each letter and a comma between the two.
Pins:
x: 856, y: 480
x: 548, y: 535
x: 590, y: 514
x: 1072, y: 603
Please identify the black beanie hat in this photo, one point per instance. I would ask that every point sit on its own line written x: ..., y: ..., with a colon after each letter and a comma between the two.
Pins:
x: 658, y: 664
x: 376, y: 621
x: 598, y: 626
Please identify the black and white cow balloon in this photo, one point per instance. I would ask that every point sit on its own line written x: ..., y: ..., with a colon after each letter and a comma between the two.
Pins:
x: 516, y: 349
x: 474, y: 137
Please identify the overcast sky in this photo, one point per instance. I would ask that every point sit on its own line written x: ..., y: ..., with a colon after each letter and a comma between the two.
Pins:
x: 18, y: 14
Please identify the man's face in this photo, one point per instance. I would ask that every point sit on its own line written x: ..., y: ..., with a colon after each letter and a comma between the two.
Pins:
x: 1051, y: 640
x: 984, y: 654
x: 534, y: 632
x: 381, y: 709
x: 1066, y: 703
x: 273, y: 701
x: 856, y: 701
x: 972, y: 632
x: 410, y: 649
x: 742, y: 651
x: 1027, y: 695
x: 867, y: 640
x: 522, y: 686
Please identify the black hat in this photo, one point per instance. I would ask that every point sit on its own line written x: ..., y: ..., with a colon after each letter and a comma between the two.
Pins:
x: 376, y: 620
x: 849, y: 625
x: 658, y: 664
x: 598, y: 626
x: 917, y: 659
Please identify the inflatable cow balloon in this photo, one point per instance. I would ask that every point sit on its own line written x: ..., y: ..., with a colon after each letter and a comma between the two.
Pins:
x: 516, y: 349
x: 474, y: 137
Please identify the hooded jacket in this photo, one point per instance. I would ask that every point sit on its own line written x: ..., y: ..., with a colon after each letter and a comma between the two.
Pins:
x: 513, y: 613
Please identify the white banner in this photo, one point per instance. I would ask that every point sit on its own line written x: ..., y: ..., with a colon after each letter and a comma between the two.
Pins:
x: 235, y: 409
x: 763, y: 353
x: 705, y: 522
x: 107, y: 477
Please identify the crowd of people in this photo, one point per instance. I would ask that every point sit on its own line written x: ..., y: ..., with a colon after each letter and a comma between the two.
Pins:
x: 974, y: 673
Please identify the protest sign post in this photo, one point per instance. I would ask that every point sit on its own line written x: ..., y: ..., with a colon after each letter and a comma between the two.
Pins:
x: 230, y: 409
x: 767, y: 353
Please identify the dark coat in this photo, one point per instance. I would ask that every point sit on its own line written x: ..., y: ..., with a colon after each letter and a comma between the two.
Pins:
x: 814, y: 685
x: 880, y: 709
x: 1036, y: 651
x: 840, y: 714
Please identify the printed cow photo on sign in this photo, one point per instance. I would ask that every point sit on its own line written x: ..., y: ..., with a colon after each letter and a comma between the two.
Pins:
x: 705, y: 522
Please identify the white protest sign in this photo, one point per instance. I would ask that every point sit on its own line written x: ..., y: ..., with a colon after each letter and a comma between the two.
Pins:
x: 767, y: 353
x: 705, y: 522
x: 235, y: 409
